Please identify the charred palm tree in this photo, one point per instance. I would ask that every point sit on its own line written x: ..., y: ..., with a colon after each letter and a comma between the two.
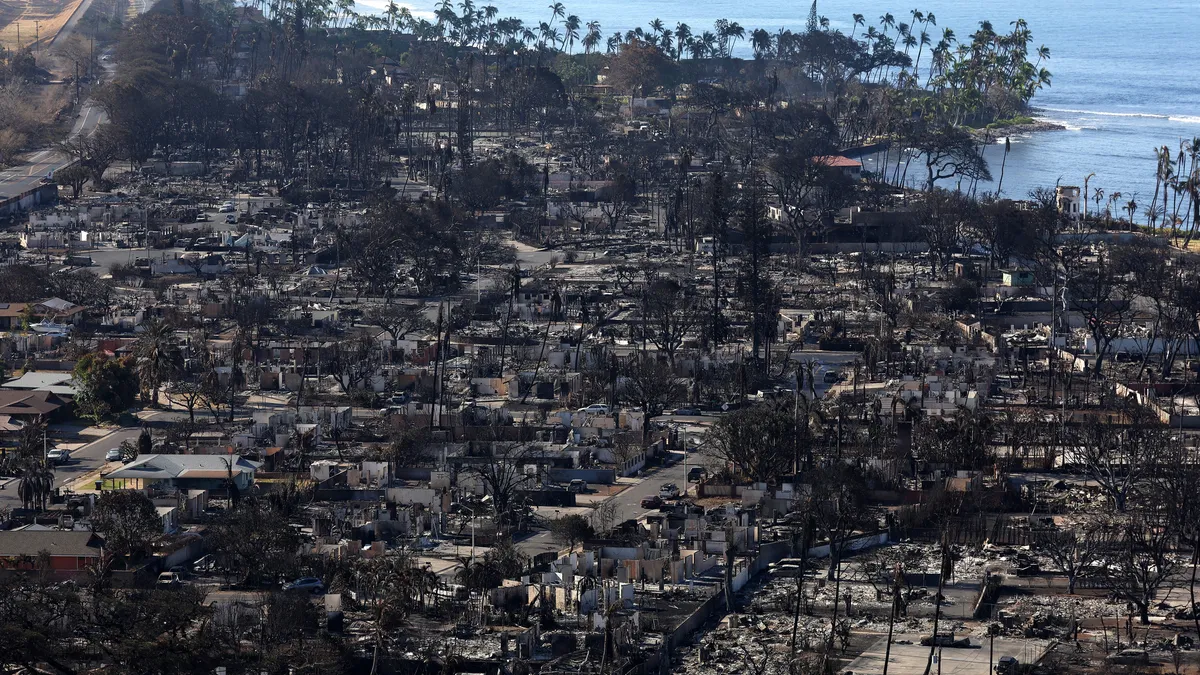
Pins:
x: 158, y: 358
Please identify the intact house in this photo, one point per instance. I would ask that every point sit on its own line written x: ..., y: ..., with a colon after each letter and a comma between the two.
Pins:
x: 13, y: 315
x: 183, y: 472
x: 58, y: 382
x: 850, y: 168
x: 30, y: 406
x: 70, y: 552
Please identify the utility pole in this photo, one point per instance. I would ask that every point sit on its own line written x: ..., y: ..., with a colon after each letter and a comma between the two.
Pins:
x: 947, y: 567
x: 803, y: 555
x: 37, y: 35
x: 991, y: 648
x: 897, y: 580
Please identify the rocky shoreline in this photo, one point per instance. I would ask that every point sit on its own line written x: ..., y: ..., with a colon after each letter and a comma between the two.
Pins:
x: 1037, y: 125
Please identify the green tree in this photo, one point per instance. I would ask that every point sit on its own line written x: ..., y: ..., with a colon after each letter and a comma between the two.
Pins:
x: 73, y: 176
x: 106, y: 386
x: 144, y: 443
x: 757, y: 443
x: 127, y: 520
x: 640, y: 67
x: 257, y: 542
x: 571, y: 529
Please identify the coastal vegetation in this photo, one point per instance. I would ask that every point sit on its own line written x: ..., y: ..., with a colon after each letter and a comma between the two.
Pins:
x: 330, y: 88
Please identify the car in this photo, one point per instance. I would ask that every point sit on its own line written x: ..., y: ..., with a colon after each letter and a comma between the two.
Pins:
x: 668, y: 491
x: 1007, y: 665
x: 831, y: 377
x: 113, y: 455
x: 399, y: 399
x: 578, y: 485
x: 58, y: 456
x: 652, y: 502
x: 309, y: 584
x: 227, y: 207
x: 231, y: 219
x: 595, y: 409
x: 689, y: 412
x: 696, y: 474
x: 168, y: 580
x: 202, y: 218
x: 1129, y: 657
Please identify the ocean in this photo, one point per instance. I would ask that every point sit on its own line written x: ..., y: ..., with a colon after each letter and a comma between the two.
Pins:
x: 1122, y: 85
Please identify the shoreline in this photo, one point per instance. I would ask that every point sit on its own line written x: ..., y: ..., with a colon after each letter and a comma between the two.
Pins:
x: 1039, y: 124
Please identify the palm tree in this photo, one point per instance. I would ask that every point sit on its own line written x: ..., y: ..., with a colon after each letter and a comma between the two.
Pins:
x: 859, y: 20
x: 683, y: 34
x: 391, y: 12
x: 1000, y: 183
x: 157, y: 357
x: 657, y: 26
x: 32, y: 441
x: 593, y: 37
x: 571, y: 32
x: 887, y: 21
x: 557, y: 11
x: 1085, y: 194
x: 735, y: 33
x: 553, y: 37
x: 1162, y: 157
x: 925, y: 40
x: 1108, y: 208
x: 36, y: 482
x: 666, y: 41
x: 1043, y: 53
x: 760, y: 40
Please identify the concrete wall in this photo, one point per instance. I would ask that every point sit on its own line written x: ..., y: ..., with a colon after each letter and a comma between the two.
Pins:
x: 602, y: 476
x: 42, y: 194
x: 185, y: 554
x: 855, y: 544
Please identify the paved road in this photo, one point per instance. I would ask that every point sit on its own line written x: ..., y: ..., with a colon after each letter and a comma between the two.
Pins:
x: 628, y: 501
x: 27, y: 176
x: 24, y: 177
x: 84, y: 460
x: 90, y: 457
x: 71, y: 21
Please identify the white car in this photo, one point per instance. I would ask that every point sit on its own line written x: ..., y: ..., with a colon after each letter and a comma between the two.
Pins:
x: 58, y: 456
x: 113, y: 455
x: 595, y: 409
x: 668, y: 491
x: 227, y: 207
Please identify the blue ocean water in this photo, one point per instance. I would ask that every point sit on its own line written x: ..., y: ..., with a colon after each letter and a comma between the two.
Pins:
x: 1122, y: 81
